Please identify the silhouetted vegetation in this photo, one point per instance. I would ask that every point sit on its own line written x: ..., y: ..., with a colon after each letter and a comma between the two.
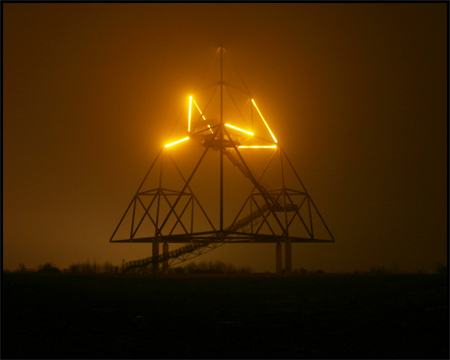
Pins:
x: 22, y: 269
x: 93, y: 268
x: 48, y: 268
x: 212, y: 267
x: 85, y: 268
x: 383, y: 270
x: 303, y: 271
x: 216, y: 267
x: 300, y: 271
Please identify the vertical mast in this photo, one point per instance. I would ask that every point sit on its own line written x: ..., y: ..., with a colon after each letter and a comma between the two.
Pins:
x: 221, y: 140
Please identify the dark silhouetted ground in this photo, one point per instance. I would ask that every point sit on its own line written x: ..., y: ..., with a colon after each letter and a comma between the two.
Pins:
x: 342, y: 316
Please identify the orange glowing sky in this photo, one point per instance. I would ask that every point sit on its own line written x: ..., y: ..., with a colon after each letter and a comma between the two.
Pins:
x: 355, y: 93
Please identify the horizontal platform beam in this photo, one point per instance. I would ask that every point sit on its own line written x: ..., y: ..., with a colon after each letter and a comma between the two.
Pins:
x: 228, y: 240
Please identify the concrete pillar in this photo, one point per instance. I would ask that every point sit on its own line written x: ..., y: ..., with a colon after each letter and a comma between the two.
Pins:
x: 155, y: 254
x: 288, y: 256
x: 278, y: 257
x: 166, y: 262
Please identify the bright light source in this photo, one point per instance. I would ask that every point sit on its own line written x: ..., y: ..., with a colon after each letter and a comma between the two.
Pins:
x: 176, y: 142
x: 273, y: 137
x: 190, y: 105
x: 244, y: 131
x: 199, y: 110
x: 210, y: 129
x: 257, y: 146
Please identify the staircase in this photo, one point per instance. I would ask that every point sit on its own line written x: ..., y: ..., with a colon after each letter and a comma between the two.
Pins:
x: 190, y: 248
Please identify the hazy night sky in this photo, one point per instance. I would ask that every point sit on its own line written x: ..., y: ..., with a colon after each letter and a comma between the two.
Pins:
x: 356, y: 93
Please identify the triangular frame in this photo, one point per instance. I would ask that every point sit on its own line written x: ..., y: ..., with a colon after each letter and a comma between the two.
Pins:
x: 267, y: 215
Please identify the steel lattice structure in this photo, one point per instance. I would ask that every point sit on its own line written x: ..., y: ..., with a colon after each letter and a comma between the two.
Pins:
x: 167, y: 207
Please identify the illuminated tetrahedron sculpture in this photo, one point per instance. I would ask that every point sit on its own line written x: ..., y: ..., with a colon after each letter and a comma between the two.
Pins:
x: 221, y: 178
